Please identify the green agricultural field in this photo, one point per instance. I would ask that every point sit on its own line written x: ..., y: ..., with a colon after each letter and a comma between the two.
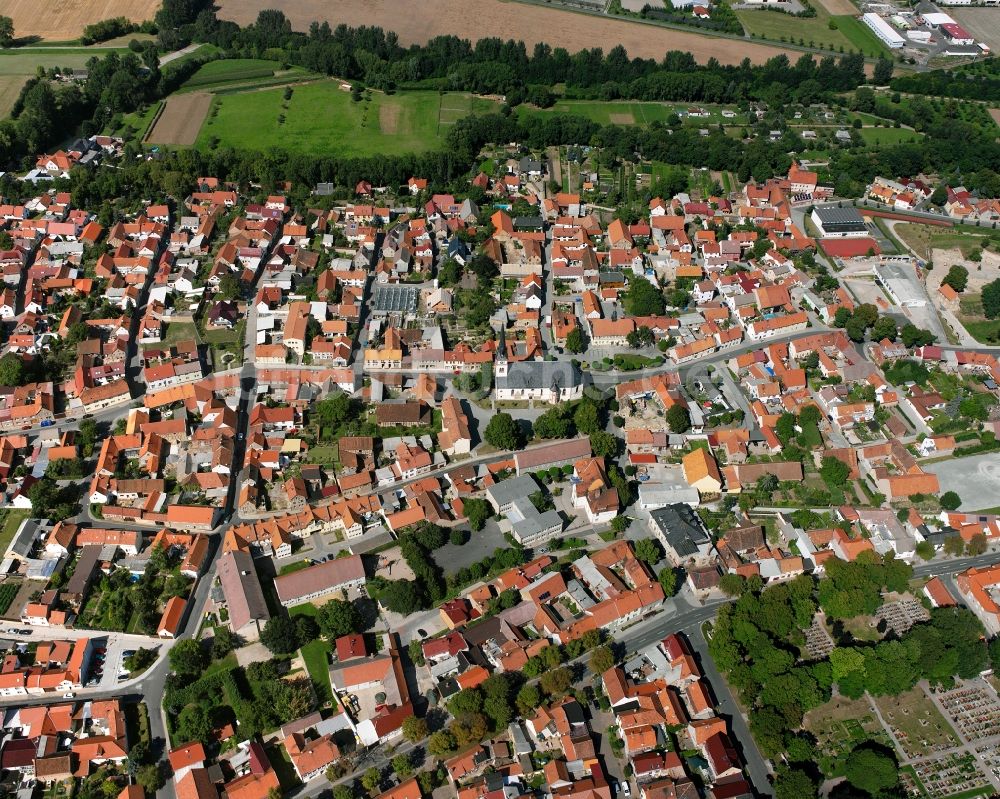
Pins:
x: 230, y: 70
x: 321, y: 117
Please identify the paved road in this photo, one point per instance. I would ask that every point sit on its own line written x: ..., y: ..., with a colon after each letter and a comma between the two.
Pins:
x: 166, y: 59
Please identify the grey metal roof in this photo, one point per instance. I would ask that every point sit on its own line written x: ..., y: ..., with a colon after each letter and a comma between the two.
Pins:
x: 831, y: 215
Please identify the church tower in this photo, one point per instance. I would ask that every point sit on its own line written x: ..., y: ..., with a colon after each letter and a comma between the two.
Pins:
x: 501, y: 364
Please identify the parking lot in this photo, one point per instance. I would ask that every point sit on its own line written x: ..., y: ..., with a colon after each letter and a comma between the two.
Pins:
x: 107, y: 665
x: 975, y: 479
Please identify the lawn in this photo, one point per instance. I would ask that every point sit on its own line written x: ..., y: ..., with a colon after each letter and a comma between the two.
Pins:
x: 983, y: 330
x: 288, y: 568
x: 12, y: 519
x: 26, y: 62
x: 320, y: 117
x: 860, y: 36
x: 889, y: 135
x: 10, y: 89
x: 136, y: 124
x: 316, y: 655
x: 922, y: 239
x: 325, y: 454
x: 176, y: 331
x: 223, y: 341
x: 849, y: 34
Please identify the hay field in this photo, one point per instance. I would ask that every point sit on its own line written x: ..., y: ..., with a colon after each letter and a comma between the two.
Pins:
x: 480, y: 19
x: 181, y: 119
x: 63, y: 20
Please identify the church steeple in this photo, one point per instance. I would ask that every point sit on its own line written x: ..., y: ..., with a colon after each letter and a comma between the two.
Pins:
x: 501, y: 364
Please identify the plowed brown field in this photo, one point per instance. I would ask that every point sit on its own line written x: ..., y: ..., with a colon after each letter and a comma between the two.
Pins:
x: 480, y: 19
x: 61, y: 20
x: 181, y: 119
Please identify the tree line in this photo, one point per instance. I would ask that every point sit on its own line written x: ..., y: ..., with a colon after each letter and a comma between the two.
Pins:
x: 374, y: 57
x: 759, y: 643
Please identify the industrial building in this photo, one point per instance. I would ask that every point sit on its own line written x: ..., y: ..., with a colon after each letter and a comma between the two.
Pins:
x: 841, y: 222
x: 883, y: 30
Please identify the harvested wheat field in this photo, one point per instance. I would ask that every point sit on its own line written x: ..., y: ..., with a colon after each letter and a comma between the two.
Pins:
x: 181, y: 119
x: 481, y: 19
x: 838, y: 7
x: 62, y: 20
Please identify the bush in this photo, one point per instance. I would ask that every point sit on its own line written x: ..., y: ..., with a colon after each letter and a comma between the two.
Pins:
x: 107, y: 29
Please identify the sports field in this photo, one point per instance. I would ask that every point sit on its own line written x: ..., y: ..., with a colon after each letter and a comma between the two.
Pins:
x: 321, y: 117
x: 64, y: 20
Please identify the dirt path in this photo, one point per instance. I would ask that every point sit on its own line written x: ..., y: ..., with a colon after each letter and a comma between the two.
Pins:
x: 480, y: 19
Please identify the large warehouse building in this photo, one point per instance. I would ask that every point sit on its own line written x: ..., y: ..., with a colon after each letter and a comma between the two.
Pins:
x: 885, y: 32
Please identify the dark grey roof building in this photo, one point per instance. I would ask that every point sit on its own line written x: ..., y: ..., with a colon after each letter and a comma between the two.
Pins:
x: 681, y: 531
